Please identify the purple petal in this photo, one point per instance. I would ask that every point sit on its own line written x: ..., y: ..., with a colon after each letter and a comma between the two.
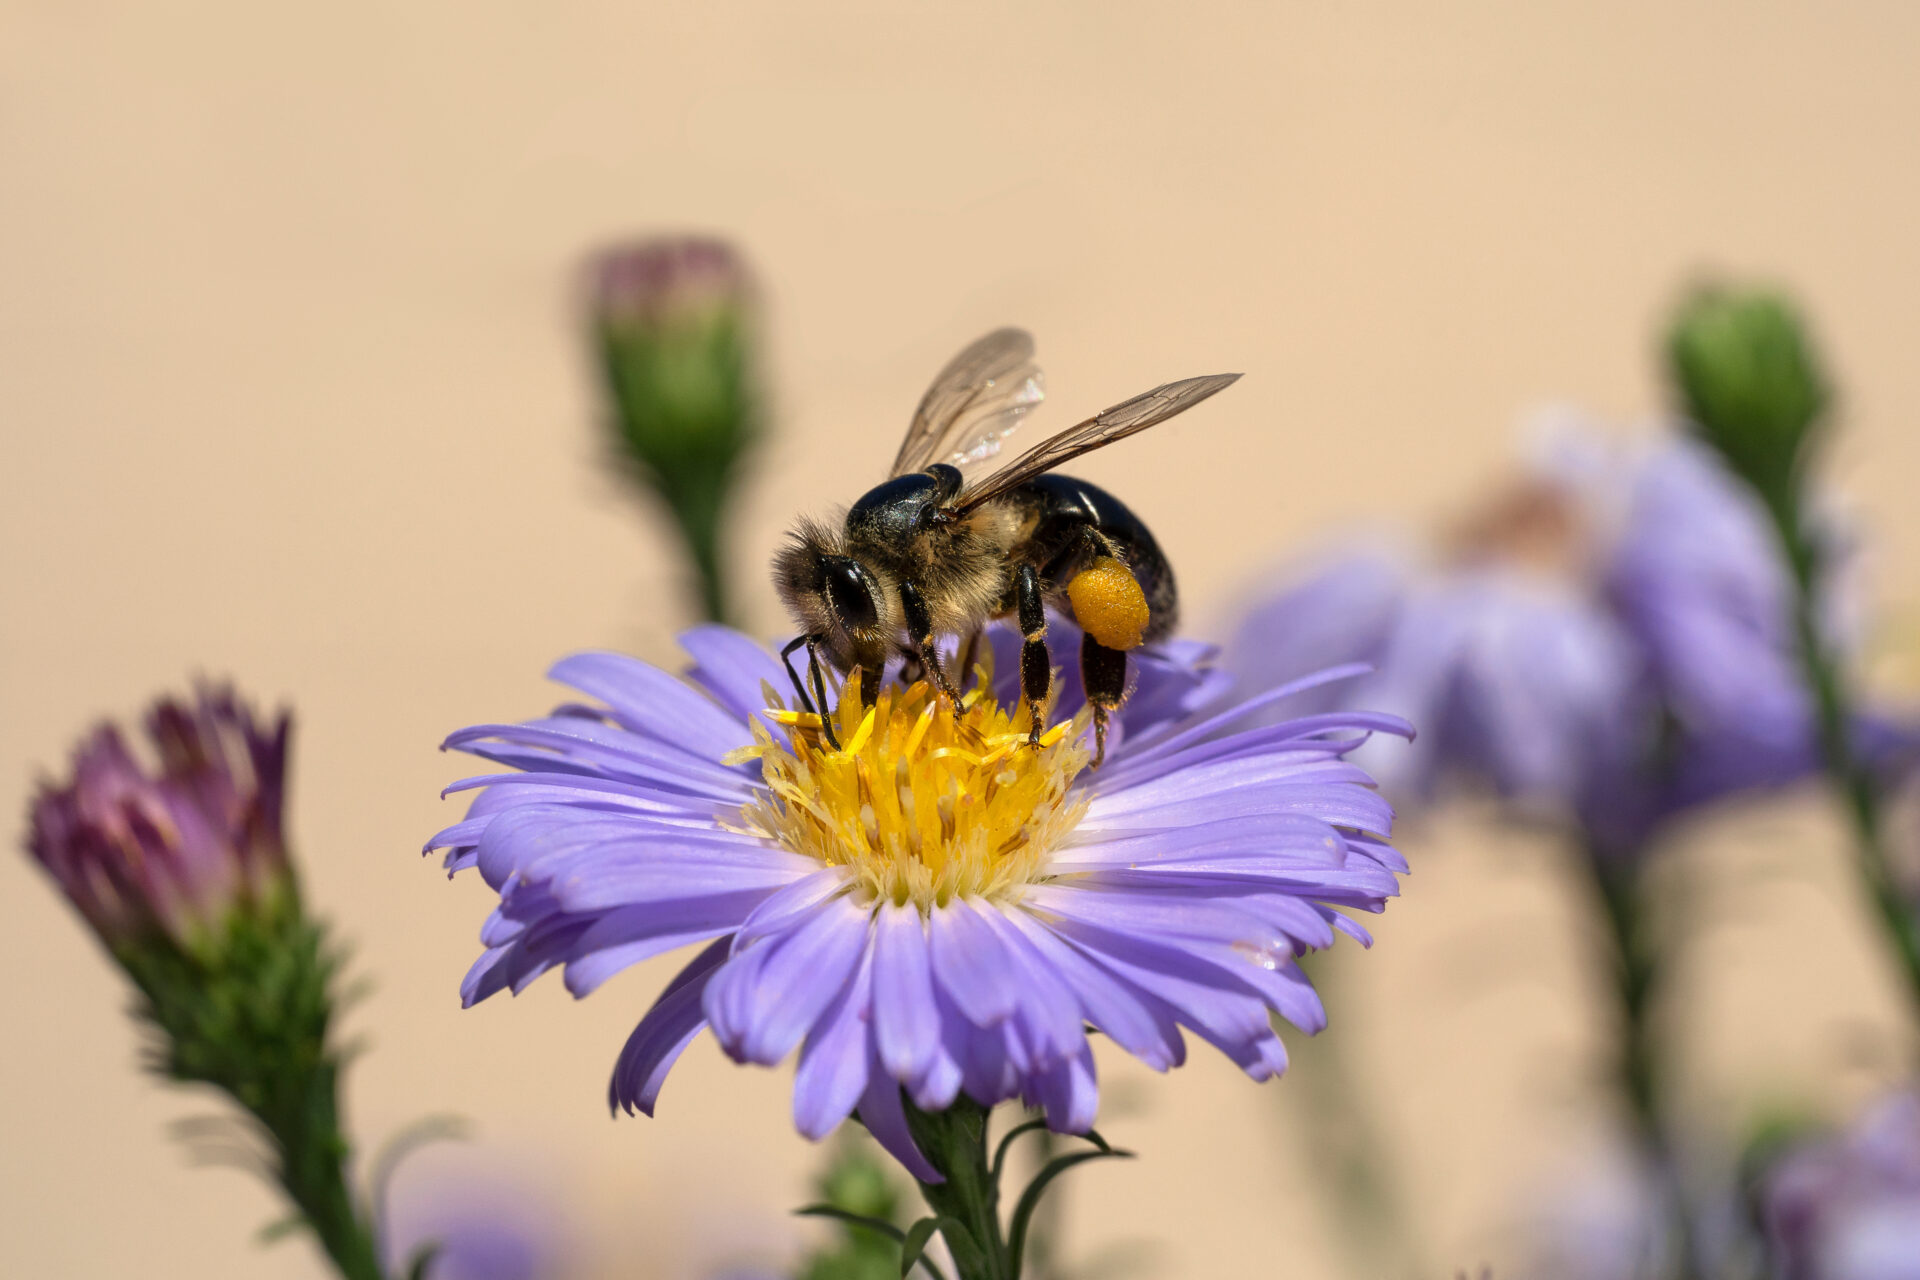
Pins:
x: 663, y: 1034
x: 906, y: 1026
x: 1220, y: 1008
x: 1297, y: 836
x: 653, y: 703
x: 1364, y: 885
x: 627, y: 936
x: 833, y: 1062
x: 734, y: 669
x: 618, y: 877
x: 935, y: 1088
x: 1208, y: 919
x: 971, y: 963
x: 779, y: 913
x: 1287, y: 990
x: 988, y: 1070
x: 1045, y: 1011
x: 1275, y: 742
x: 1203, y: 730
x: 1129, y: 1017
x: 570, y: 744
x: 1070, y: 1093
x: 770, y: 993
x: 1181, y: 799
x: 886, y: 1119
x: 460, y: 835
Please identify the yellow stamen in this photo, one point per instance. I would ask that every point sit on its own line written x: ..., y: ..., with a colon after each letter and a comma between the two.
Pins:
x: 923, y: 805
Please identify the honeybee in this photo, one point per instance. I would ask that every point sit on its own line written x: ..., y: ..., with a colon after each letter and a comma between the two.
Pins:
x: 928, y: 552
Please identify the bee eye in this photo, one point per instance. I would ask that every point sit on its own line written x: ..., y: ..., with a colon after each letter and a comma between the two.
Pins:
x: 850, y: 591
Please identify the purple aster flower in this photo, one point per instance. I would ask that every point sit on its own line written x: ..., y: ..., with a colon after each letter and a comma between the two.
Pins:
x: 937, y: 908
x: 173, y: 846
x: 1848, y: 1208
x: 1610, y: 639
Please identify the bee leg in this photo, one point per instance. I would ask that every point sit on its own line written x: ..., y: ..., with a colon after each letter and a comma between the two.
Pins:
x: 1104, y: 673
x: 1036, y: 664
x: 920, y: 632
x: 820, y: 691
x: 786, y: 660
x: 869, y: 688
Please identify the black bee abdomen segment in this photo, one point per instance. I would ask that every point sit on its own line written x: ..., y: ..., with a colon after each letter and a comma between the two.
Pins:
x: 1066, y: 511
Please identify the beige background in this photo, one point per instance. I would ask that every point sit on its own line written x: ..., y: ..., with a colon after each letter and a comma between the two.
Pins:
x: 289, y: 390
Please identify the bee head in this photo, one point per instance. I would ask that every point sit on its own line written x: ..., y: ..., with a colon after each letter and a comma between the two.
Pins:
x: 834, y: 596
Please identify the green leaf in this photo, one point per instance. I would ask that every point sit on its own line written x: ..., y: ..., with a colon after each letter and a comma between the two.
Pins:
x: 966, y: 1251
x: 1006, y: 1145
x: 1030, y: 1199
x: 915, y: 1244
x: 834, y: 1211
x: 279, y: 1229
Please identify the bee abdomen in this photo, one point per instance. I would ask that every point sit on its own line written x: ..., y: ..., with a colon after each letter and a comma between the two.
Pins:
x: 1076, y: 524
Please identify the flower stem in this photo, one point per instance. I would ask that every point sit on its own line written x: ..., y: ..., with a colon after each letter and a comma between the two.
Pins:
x: 250, y: 1014
x: 698, y: 509
x: 1851, y: 778
x: 1636, y: 974
x: 305, y: 1128
x: 1341, y: 1135
x: 955, y: 1141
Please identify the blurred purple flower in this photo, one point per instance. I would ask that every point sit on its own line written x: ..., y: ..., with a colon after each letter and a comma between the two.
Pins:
x: 479, y: 1226
x: 1602, y: 1218
x: 1610, y: 639
x: 1848, y: 1207
x: 479, y: 1245
x: 953, y: 929
x: 170, y: 849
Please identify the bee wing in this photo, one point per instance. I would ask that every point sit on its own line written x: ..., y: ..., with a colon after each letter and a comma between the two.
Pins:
x: 975, y: 402
x: 1122, y: 420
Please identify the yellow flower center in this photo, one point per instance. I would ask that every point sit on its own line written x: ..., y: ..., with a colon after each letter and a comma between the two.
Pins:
x: 922, y: 804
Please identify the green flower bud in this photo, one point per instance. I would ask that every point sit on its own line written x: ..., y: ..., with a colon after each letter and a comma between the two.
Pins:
x: 673, y: 321
x: 1750, y: 383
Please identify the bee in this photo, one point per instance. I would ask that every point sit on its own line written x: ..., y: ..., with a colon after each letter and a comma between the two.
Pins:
x: 929, y: 553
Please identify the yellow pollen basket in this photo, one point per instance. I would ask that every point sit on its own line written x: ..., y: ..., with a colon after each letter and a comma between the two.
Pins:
x: 1108, y: 603
x: 922, y: 805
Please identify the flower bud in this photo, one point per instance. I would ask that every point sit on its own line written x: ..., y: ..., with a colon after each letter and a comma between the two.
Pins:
x: 1749, y: 382
x: 673, y: 320
x: 176, y: 848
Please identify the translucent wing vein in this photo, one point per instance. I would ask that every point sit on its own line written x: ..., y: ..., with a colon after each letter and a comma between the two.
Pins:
x: 1124, y: 419
x: 980, y: 397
